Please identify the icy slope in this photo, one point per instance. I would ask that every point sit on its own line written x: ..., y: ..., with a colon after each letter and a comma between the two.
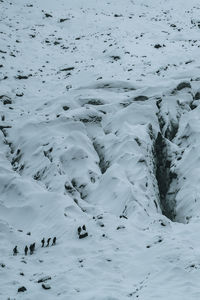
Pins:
x: 99, y: 125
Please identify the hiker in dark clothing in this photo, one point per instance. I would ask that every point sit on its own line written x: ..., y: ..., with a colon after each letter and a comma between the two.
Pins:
x: 26, y: 250
x: 79, y: 230
x: 32, y: 248
x: 33, y: 245
x: 43, y: 241
x: 54, y: 241
x: 48, y: 241
x: 15, y: 251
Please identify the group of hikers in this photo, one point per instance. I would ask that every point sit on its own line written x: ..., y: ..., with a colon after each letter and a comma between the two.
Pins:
x: 82, y: 233
x: 31, y: 248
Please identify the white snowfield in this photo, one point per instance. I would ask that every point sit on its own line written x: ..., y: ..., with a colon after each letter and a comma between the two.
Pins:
x: 100, y: 126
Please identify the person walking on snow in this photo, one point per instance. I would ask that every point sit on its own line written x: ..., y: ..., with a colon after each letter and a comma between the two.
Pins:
x: 26, y: 250
x: 48, y: 241
x: 43, y: 241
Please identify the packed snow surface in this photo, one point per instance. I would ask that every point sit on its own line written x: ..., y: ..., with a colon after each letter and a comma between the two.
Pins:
x: 100, y: 126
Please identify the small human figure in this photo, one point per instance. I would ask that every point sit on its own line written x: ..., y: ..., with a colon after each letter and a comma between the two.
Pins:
x: 43, y: 241
x: 15, y: 251
x: 48, y: 241
x: 26, y: 250
x: 31, y: 249
x: 54, y: 241
x: 79, y: 230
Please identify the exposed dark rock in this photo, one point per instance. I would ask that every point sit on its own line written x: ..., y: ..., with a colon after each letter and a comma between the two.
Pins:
x: 103, y: 163
x: 20, y: 95
x: 84, y: 235
x: 141, y: 98
x: 46, y: 286
x: 117, y: 15
x: 22, y: 77
x: 48, y: 15
x: 67, y: 69
x: 65, y: 107
x: 21, y: 289
x: 94, y: 102
x: 4, y: 127
x: 63, y: 20
x: 121, y: 227
x: 115, y: 57
x: 183, y: 85
x: 197, y: 96
x: 157, y: 46
x: 43, y: 279
x: 91, y: 119
x: 123, y: 216
x: 5, y: 99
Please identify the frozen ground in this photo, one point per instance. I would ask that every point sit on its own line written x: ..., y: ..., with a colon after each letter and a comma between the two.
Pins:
x: 99, y: 125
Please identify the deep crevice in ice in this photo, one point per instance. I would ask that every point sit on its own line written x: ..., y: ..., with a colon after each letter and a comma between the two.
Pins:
x: 164, y: 176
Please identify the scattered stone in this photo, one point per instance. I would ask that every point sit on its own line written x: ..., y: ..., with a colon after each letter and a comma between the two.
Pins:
x: 65, y: 107
x: 63, y: 20
x: 94, y: 102
x: 43, y: 279
x: 48, y: 15
x: 68, y: 87
x: 157, y: 46
x: 122, y: 216
x: 141, y: 98
x: 99, y: 217
x: 83, y: 235
x: 115, y: 57
x: 20, y: 95
x: 100, y: 223
x: 183, y: 85
x: 5, y: 99
x: 117, y: 15
x: 21, y: 289
x: 4, y: 127
x: 121, y: 227
x: 46, y: 286
x: 162, y: 224
x: 197, y: 96
x: 67, y: 69
x: 22, y: 77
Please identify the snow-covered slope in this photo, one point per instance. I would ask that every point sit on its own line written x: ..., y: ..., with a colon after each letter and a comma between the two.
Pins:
x: 99, y: 125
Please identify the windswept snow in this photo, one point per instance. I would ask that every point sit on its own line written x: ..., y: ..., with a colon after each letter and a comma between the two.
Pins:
x: 99, y: 125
